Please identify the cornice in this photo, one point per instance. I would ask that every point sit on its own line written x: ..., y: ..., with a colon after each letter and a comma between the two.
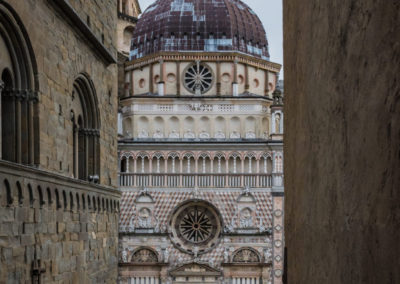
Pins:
x: 221, y: 56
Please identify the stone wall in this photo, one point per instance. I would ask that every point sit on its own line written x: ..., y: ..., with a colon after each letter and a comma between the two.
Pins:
x: 69, y: 225
x: 62, y: 54
x: 342, y: 64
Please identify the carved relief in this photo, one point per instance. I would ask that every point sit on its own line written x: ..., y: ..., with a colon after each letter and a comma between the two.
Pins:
x: 246, y: 218
x: 144, y: 256
x: 189, y: 134
x: 158, y: 134
x: 174, y: 134
x: 143, y: 134
x: 144, y: 220
x: 246, y: 256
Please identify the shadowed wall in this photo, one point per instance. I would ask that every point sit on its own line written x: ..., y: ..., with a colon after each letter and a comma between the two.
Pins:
x: 342, y: 168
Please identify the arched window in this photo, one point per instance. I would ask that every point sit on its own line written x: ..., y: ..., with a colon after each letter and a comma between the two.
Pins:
x: 9, y: 198
x: 86, y: 130
x: 18, y: 90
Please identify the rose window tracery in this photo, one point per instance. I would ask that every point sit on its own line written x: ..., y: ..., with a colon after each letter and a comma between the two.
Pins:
x: 196, y: 227
x: 198, y: 78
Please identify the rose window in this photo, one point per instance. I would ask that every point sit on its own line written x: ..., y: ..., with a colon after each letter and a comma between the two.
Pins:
x: 195, y: 224
x: 198, y: 78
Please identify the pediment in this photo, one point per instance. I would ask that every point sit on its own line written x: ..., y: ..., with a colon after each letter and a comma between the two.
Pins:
x: 195, y: 269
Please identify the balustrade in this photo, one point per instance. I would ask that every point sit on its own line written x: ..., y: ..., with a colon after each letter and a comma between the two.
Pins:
x: 187, y: 180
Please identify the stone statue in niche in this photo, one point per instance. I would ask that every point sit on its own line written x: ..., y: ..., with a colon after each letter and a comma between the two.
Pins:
x: 277, y: 123
x: 124, y: 256
x: 158, y: 134
x: 189, y: 134
x: 174, y: 134
x: 143, y: 134
x: 166, y: 255
x: 250, y: 135
x: 267, y: 255
x: 235, y: 135
x: 204, y: 135
x: 226, y: 255
x: 265, y: 135
x: 246, y: 219
x: 220, y: 135
x: 144, y: 218
x: 128, y: 134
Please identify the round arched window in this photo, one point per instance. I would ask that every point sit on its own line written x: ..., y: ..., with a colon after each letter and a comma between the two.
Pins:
x: 198, y: 78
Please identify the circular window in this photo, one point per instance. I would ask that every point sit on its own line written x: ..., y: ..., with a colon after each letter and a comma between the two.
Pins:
x: 196, y: 227
x: 198, y: 78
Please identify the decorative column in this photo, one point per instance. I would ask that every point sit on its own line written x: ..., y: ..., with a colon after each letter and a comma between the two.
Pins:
x: 151, y: 85
x: 178, y: 78
x: 247, y: 79
x: 235, y: 86
x: 128, y: 76
x: 18, y: 102
x: 266, y: 83
x: 218, y: 78
x: 161, y: 83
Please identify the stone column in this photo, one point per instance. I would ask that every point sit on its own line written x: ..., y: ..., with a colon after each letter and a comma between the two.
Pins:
x: 247, y: 79
x: 31, y: 128
x: 128, y: 76
x: 18, y: 126
x: 161, y: 83
x: 178, y: 78
x: 218, y: 78
x: 266, y: 83
x: 235, y: 86
x: 151, y: 85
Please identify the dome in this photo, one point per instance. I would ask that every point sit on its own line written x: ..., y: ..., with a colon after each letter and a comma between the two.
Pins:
x: 199, y: 25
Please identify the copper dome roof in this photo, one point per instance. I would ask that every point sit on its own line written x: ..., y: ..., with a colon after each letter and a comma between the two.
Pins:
x: 199, y: 25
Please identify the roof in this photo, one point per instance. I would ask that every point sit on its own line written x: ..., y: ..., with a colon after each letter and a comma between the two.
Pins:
x: 199, y: 25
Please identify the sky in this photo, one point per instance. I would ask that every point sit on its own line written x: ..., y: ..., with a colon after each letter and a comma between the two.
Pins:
x: 270, y: 14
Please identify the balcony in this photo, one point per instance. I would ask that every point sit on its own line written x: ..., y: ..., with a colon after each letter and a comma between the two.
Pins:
x: 182, y: 180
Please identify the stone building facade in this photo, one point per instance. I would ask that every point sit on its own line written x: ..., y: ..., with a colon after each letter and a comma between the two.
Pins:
x: 59, y: 204
x: 201, y: 162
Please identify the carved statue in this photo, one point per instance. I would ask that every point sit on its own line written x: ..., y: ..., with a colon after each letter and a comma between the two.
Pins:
x: 235, y: 135
x: 204, y: 135
x: 143, y: 134
x: 220, y: 135
x: 144, y: 218
x: 158, y: 134
x: 166, y: 255
x: 250, y: 135
x: 174, y: 134
x: 124, y: 256
x: 226, y: 255
x: 189, y: 134
x: 246, y: 219
x: 277, y: 123
x: 267, y: 255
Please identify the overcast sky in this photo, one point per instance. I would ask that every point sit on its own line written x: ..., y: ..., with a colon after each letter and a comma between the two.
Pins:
x: 270, y: 13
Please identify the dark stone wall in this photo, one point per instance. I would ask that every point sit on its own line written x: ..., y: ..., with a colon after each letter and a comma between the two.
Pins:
x: 342, y: 144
